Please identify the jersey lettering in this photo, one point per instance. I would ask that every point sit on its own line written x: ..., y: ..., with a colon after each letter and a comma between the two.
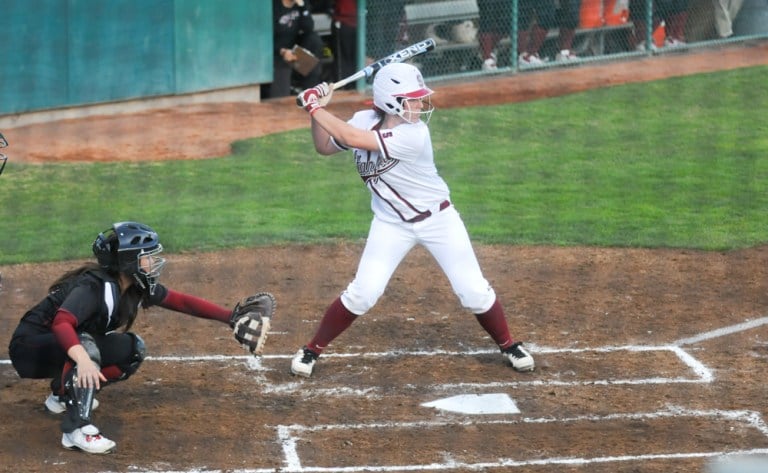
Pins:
x: 368, y: 168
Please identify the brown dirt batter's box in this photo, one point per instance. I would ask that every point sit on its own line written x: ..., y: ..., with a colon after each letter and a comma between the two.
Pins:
x: 486, y: 444
x: 614, y: 365
x: 386, y: 445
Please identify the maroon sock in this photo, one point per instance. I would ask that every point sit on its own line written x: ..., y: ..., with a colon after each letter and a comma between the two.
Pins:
x: 637, y: 36
x: 336, y: 319
x: 538, y: 36
x: 487, y: 42
x: 676, y: 25
x: 523, y: 40
x: 494, y: 322
x: 566, y: 38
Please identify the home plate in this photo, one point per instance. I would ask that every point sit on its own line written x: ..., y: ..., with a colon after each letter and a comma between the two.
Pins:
x: 476, y: 404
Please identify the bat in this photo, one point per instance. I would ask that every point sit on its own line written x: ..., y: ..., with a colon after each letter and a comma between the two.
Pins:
x: 416, y: 49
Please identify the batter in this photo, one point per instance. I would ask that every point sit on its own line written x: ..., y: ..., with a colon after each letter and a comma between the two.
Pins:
x: 411, y: 205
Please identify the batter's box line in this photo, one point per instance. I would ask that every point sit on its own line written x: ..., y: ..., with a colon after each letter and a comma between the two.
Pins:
x: 703, y: 374
x: 289, y: 436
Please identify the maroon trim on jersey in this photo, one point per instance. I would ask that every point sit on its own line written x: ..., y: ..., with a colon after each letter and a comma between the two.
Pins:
x: 63, y: 328
x: 195, y: 306
x: 400, y: 198
x: 377, y: 126
x: 425, y: 215
x: 383, y: 144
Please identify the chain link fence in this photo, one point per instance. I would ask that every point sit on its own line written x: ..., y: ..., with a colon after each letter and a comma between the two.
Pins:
x: 477, y: 37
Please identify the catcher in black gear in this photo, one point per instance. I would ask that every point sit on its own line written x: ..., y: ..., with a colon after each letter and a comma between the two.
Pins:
x: 72, y: 336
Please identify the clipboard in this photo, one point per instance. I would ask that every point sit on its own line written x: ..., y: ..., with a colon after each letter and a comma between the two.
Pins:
x: 305, y: 60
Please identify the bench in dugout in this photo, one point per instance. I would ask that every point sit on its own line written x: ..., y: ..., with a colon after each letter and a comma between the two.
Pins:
x: 453, y: 24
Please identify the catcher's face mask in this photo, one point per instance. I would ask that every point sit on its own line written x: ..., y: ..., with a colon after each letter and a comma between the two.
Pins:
x: 3, y: 158
x: 150, y: 265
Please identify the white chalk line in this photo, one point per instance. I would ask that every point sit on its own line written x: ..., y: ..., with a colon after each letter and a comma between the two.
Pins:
x: 453, y: 465
x: 721, y: 332
x: 509, y: 463
x: 701, y: 372
x: 289, y: 441
x: 731, y: 329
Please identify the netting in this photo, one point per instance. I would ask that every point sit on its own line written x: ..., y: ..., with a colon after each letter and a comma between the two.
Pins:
x: 488, y: 36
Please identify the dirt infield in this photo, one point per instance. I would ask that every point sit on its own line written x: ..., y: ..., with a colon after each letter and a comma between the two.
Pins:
x: 648, y: 360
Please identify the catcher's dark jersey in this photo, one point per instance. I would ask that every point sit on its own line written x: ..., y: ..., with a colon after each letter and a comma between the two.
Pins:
x: 92, y: 297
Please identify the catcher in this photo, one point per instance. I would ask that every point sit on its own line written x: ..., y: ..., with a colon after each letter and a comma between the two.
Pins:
x: 71, y: 335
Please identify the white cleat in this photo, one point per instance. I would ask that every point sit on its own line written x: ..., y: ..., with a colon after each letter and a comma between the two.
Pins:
x: 526, y: 60
x: 55, y: 405
x: 519, y: 357
x: 489, y: 65
x: 303, y: 362
x: 88, y: 439
x: 566, y: 55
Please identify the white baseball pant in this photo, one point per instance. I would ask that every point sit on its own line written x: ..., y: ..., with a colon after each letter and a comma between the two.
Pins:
x: 444, y: 236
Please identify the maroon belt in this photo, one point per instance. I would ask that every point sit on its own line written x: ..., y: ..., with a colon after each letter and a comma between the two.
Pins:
x: 423, y: 216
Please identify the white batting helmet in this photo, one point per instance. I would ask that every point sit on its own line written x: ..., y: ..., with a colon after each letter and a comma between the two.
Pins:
x: 396, y: 82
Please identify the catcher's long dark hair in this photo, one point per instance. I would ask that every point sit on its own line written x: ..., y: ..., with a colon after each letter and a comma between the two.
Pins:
x: 129, y: 300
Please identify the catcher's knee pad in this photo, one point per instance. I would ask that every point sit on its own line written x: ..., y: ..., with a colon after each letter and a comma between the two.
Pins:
x: 137, y: 355
x: 89, y: 343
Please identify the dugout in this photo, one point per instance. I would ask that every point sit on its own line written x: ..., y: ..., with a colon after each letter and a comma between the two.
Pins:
x: 69, y: 53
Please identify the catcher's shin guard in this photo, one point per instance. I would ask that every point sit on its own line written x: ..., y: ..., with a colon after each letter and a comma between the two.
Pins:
x: 79, y: 401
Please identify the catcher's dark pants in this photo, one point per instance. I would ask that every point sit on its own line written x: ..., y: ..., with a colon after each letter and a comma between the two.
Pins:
x: 40, y: 356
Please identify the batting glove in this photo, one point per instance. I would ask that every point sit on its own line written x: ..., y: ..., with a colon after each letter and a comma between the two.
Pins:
x: 314, y: 98
x: 325, y: 98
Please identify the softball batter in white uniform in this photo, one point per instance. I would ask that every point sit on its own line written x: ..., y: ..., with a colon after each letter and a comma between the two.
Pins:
x: 411, y: 205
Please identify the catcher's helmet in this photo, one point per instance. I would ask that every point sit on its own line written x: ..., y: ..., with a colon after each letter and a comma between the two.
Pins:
x: 396, y: 82
x: 131, y: 248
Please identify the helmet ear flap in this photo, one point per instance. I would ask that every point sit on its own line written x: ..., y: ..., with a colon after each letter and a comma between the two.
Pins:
x: 105, y: 250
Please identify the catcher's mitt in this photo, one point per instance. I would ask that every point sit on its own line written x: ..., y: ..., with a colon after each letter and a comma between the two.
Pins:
x: 251, y: 319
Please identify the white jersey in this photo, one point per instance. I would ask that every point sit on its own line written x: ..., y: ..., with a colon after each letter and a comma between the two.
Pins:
x: 401, y: 175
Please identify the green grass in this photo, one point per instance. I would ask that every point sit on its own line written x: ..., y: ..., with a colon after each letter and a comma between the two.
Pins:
x: 675, y: 163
